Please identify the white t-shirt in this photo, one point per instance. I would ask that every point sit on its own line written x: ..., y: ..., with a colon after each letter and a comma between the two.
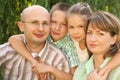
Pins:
x: 82, y: 54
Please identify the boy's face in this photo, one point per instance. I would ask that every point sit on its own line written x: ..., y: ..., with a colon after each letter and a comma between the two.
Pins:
x: 58, y: 25
x: 36, y: 26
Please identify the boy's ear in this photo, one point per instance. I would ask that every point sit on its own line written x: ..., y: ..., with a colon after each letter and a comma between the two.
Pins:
x: 20, y: 26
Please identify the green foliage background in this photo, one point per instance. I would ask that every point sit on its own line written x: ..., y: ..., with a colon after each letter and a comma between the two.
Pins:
x: 11, y: 9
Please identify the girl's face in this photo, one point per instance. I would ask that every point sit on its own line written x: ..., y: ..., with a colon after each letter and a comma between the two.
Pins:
x: 58, y: 25
x: 76, y: 25
x: 99, y: 41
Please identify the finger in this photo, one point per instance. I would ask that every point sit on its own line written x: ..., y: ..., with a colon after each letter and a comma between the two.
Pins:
x: 45, y: 76
x: 95, y: 72
x: 35, y: 67
x: 34, y: 70
x: 90, y: 76
x: 39, y: 77
x: 106, y: 73
x: 102, y: 71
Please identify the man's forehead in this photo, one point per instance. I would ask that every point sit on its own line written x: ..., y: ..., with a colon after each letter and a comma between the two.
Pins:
x: 35, y: 8
x: 34, y: 11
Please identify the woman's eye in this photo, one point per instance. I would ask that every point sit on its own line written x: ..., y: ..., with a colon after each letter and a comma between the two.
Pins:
x: 101, y: 34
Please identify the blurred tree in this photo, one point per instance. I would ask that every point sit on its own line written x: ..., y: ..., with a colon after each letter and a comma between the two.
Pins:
x: 10, y: 11
x: 9, y: 15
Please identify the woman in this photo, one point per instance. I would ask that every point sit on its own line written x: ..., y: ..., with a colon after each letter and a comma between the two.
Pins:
x: 103, y: 41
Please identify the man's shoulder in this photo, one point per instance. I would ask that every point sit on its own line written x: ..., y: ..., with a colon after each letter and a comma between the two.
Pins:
x: 6, y: 49
x: 6, y: 46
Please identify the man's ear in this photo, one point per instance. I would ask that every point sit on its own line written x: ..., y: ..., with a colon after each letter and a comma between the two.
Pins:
x: 20, y: 26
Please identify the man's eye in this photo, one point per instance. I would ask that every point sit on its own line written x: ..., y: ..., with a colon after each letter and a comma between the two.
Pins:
x: 35, y: 22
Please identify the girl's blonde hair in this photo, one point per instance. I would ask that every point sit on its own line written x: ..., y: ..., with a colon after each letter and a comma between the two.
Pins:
x: 80, y: 9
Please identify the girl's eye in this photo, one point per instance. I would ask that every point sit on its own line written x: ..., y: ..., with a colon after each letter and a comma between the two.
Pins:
x: 70, y: 27
x: 81, y: 26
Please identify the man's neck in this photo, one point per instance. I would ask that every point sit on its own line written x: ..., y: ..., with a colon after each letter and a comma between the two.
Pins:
x: 32, y: 47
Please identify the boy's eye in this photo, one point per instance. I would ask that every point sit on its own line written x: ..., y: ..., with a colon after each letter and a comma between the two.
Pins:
x: 63, y: 25
x: 53, y: 22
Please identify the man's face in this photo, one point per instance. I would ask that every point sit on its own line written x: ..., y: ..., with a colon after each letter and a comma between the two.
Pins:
x: 36, y: 26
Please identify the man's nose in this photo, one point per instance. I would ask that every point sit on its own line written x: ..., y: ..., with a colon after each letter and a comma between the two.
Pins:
x: 40, y: 27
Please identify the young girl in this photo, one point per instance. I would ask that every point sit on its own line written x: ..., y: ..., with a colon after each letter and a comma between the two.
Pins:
x: 77, y: 18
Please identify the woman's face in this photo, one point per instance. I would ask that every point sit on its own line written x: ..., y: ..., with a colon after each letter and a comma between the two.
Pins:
x: 99, y: 41
x: 58, y: 25
x: 76, y: 26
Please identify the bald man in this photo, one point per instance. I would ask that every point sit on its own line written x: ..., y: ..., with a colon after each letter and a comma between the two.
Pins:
x: 34, y: 24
